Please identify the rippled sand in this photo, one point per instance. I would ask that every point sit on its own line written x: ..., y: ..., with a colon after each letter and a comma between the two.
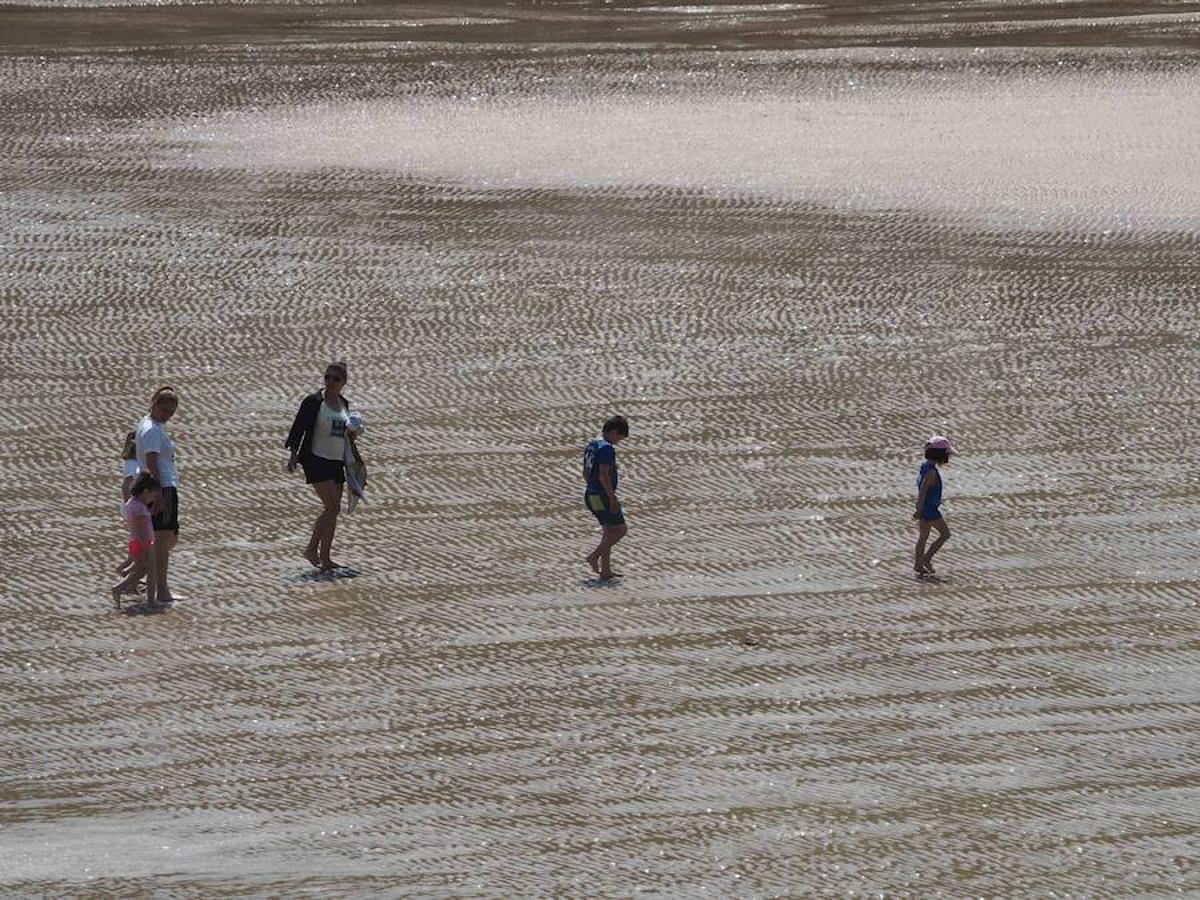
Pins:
x: 491, y: 213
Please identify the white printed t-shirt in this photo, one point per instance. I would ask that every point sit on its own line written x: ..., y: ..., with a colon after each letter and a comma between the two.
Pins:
x: 152, y: 438
x: 329, y: 435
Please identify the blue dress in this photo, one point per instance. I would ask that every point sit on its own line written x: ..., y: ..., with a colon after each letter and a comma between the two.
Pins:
x: 933, y: 497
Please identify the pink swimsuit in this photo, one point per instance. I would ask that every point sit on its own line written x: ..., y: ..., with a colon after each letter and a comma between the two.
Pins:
x: 141, y: 529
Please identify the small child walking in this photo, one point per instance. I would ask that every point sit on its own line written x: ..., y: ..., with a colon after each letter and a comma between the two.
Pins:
x: 929, y: 498
x: 143, y: 493
x: 129, y: 471
x: 600, y: 496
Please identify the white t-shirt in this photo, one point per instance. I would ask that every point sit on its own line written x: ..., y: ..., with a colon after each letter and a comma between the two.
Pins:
x: 152, y: 438
x: 329, y: 435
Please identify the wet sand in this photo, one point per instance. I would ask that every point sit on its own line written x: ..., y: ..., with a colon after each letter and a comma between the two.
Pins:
x: 223, y: 198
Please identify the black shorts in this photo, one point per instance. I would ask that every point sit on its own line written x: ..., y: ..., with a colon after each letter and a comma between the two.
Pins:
x: 597, y: 505
x: 167, y: 518
x: 318, y: 468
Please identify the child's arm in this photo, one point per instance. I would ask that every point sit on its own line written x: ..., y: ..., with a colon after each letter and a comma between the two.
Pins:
x: 604, y: 476
x: 926, y: 484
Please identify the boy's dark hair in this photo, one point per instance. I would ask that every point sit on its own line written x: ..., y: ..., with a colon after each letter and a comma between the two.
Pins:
x: 937, y: 454
x: 144, y: 482
x: 617, y: 424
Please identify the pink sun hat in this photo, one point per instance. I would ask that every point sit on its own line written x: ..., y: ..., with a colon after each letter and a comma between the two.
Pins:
x: 941, y: 442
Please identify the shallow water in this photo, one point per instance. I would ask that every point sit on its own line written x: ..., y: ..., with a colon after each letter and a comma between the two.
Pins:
x: 512, y: 221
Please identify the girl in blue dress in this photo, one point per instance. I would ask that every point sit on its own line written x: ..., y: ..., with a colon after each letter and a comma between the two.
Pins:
x: 929, y: 499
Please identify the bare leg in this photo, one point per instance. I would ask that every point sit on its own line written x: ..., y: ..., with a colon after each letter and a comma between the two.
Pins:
x: 310, y: 552
x: 603, y: 552
x: 164, y: 543
x: 127, y: 585
x: 133, y: 574
x: 943, y: 531
x: 149, y: 562
x: 919, y: 557
x: 593, y: 558
x: 324, y: 528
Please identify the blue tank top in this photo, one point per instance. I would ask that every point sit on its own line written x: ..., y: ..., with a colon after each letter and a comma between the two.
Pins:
x: 933, y: 497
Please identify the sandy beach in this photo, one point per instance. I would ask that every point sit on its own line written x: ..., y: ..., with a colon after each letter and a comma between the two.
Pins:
x: 789, y: 242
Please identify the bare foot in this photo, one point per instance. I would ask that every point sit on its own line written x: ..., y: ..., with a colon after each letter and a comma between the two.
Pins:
x: 311, y: 555
x: 328, y: 564
x: 594, y: 562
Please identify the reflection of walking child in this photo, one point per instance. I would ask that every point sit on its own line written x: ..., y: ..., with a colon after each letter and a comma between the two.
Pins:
x: 129, y: 471
x: 600, y: 497
x: 929, y: 499
x: 144, y: 492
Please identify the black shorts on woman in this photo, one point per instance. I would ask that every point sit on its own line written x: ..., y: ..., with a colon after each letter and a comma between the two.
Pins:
x: 318, y: 469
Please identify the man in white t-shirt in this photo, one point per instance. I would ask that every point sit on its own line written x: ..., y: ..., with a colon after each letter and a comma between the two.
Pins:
x: 156, y: 455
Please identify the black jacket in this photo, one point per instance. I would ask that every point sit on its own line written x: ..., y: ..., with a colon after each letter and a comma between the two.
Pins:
x: 300, y: 437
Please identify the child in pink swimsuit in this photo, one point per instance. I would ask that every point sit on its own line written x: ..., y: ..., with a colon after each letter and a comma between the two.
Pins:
x: 129, y: 471
x: 144, y: 492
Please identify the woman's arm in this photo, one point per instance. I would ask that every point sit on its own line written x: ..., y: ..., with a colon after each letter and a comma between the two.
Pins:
x: 301, y: 425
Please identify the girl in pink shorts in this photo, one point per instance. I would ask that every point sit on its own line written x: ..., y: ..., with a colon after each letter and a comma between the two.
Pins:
x: 145, y: 491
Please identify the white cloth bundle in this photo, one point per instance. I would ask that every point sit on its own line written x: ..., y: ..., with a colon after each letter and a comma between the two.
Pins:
x: 356, y: 469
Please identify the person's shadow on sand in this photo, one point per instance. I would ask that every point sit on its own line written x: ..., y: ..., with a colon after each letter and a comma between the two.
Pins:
x: 327, y: 574
x: 142, y: 608
x: 597, y: 582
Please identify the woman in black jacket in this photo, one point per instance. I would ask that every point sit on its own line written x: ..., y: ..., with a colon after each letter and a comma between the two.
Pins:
x: 318, y: 442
